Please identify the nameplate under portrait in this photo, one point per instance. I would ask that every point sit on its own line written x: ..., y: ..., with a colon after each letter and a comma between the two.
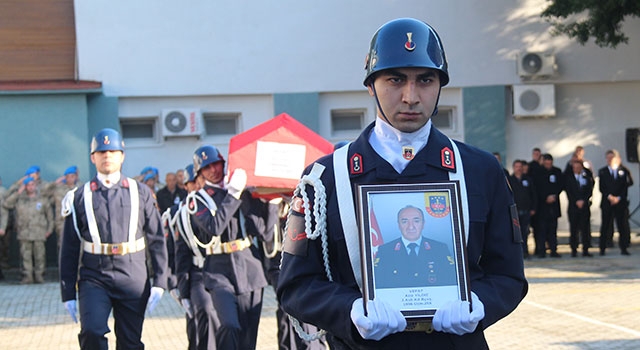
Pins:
x: 413, y: 246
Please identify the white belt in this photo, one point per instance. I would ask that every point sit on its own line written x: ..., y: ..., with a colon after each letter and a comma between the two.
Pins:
x: 229, y: 247
x: 114, y: 248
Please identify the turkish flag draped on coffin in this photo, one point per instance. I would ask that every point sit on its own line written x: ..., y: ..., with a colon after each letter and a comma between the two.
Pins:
x: 275, y: 153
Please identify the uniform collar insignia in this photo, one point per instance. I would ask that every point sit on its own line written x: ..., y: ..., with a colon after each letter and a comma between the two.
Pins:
x: 447, y: 158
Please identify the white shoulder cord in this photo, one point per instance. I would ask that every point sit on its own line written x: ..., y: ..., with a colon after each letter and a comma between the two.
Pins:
x: 186, y: 212
x: 277, y: 234
x: 67, y: 208
x: 186, y: 232
x: 320, y: 216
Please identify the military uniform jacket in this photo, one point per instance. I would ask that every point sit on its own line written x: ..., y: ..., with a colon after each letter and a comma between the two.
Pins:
x: 33, y: 216
x: 549, y: 182
x: 494, y: 248
x: 239, y: 272
x: 577, y: 191
x: 433, y: 266
x: 184, y: 269
x: 124, y: 275
x: 615, y: 186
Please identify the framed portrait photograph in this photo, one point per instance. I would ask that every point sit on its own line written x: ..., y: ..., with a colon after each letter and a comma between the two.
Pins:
x: 413, y: 246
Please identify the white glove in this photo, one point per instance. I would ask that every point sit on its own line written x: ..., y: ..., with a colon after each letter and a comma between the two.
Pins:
x: 454, y: 317
x: 236, y: 183
x: 70, y: 305
x: 186, y: 305
x: 154, y: 298
x: 380, y: 321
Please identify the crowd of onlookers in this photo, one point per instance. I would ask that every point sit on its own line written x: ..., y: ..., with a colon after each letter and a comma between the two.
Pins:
x: 537, y: 184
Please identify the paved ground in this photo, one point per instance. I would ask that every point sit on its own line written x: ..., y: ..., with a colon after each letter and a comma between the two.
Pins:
x: 573, y: 303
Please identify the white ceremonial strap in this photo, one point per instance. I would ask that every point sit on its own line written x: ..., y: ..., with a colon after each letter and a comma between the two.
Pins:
x: 135, y: 210
x: 66, y: 208
x: 459, y: 176
x: 213, y: 208
x: 347, y: 211
x: 133, y: 216
x: 185, y: 215
x: 91, y: 218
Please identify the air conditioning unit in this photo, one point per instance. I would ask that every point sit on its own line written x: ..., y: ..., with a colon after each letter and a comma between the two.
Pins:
x: 533, y: 65
x: 534, y: 100
x: 181, y: 122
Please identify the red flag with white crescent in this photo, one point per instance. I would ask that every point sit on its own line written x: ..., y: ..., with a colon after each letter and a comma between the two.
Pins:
x: 376, y: 235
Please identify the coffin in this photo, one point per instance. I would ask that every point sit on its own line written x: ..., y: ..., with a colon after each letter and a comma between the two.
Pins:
x: 275, y: 153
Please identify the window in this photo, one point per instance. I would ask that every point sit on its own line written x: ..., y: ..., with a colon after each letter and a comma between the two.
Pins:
x: 138, y: 128
x: 346, y: 121
x: 221, y: 124
x: 444, y: 119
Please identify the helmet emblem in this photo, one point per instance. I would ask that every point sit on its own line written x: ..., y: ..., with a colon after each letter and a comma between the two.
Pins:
x: 409, y: 45
x: 204, y: 155
x: 106, y: 140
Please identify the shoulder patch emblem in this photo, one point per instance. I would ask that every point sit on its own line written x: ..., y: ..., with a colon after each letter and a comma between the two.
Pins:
x: 447, y: 158
x: 355, y: 164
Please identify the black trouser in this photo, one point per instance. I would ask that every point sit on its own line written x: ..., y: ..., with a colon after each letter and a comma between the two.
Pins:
x: 580, y: 228
x: 547, y: 232
x: 620, y: 213
x: 239, y: 317
x: 95, y: 303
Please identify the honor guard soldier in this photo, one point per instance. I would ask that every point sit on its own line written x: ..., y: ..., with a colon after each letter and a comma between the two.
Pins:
x: 111, y: 224
x: 320, y: 271
x: 232, y: 274
x: 202, y: 320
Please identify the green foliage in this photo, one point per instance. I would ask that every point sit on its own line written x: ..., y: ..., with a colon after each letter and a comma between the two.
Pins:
x: 603, y: 19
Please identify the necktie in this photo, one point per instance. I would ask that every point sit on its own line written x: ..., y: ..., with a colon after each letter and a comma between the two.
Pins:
x: 412, y: 250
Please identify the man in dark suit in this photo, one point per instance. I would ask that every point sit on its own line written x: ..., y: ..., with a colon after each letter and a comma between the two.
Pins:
x: 524, y: 194
x: 413, y: 260
x: 615, y: 179
x: 579, y: 187
x: 549, y: 184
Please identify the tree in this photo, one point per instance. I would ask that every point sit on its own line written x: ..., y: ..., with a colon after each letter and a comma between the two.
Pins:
x: 600, y: 19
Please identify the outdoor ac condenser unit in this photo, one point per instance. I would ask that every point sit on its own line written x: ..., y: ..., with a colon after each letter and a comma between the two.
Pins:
x: 181, y: 122
x: 532, y: 65
x: 534, y: 100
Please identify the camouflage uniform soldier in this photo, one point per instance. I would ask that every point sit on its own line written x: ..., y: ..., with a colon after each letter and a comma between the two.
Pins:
x: 56, y: 192
x: 34, y: 224
x: 4, y: 239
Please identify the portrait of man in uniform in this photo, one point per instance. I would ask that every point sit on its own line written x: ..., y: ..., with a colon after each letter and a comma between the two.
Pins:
x: 413, y: 260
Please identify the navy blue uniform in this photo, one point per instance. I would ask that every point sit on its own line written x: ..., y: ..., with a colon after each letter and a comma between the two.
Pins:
x: 495, y: 258
x: 235, y: 280
x: 118, y: 282
x: 260, y: 220
x: 617, y: 186
x: 580, y: 188
x: 201, y: 328
x: 432, y: 266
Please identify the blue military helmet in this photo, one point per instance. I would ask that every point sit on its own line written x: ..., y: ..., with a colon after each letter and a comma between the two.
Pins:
x: 406, y: 42
x: 107, y: 140
x: 191, y: 175
x: 204, y: 156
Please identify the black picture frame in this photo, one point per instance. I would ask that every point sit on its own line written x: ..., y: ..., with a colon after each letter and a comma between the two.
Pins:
x: 420, y: 286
